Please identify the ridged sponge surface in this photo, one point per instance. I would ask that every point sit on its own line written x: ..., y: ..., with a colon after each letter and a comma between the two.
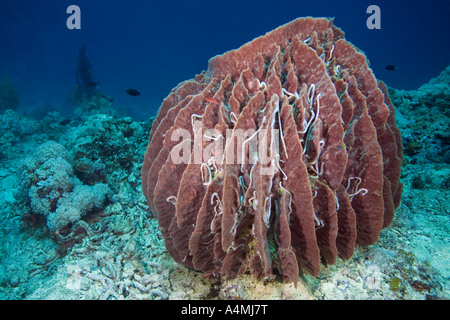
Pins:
x: 284, y: 152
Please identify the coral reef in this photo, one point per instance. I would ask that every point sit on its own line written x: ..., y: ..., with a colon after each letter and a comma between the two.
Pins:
x: 426, y: 136
x: 66, y: 176
x: 117, y: 250
x: 18, y: 125
x: 292, y: 155
x: 121, y: 254
x: 423, y: 226
x: 98, y: 103
x: 15, y: 128
x: 102, y: 146
x: 55, y: 192
x: 82, y: 200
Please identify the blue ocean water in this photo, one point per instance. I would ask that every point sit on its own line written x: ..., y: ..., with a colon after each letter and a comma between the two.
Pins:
x: 154, y: 45
x: 83, y: 161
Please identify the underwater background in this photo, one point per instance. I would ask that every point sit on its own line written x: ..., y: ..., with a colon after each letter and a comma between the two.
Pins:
x: 56, y: 137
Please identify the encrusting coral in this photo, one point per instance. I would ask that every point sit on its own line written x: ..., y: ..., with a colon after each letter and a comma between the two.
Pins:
x: 55, y: 192
x: 289, y: 153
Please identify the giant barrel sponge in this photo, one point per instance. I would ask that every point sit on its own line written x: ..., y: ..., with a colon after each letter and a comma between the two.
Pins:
x: 284, y: 152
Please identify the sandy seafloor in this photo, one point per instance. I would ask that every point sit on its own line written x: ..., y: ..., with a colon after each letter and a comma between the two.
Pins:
x: 117, y: 251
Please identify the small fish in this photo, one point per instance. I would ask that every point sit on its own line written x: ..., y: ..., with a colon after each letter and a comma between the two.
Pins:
x: 133, y: 92
x: 64, y: 122
x: 391, y: 67
x: 212, y: 100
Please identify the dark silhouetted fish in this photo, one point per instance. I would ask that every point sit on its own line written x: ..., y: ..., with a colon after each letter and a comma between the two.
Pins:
x: 133, y: 92
x: 391, y: 67
x: 64, y: 122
